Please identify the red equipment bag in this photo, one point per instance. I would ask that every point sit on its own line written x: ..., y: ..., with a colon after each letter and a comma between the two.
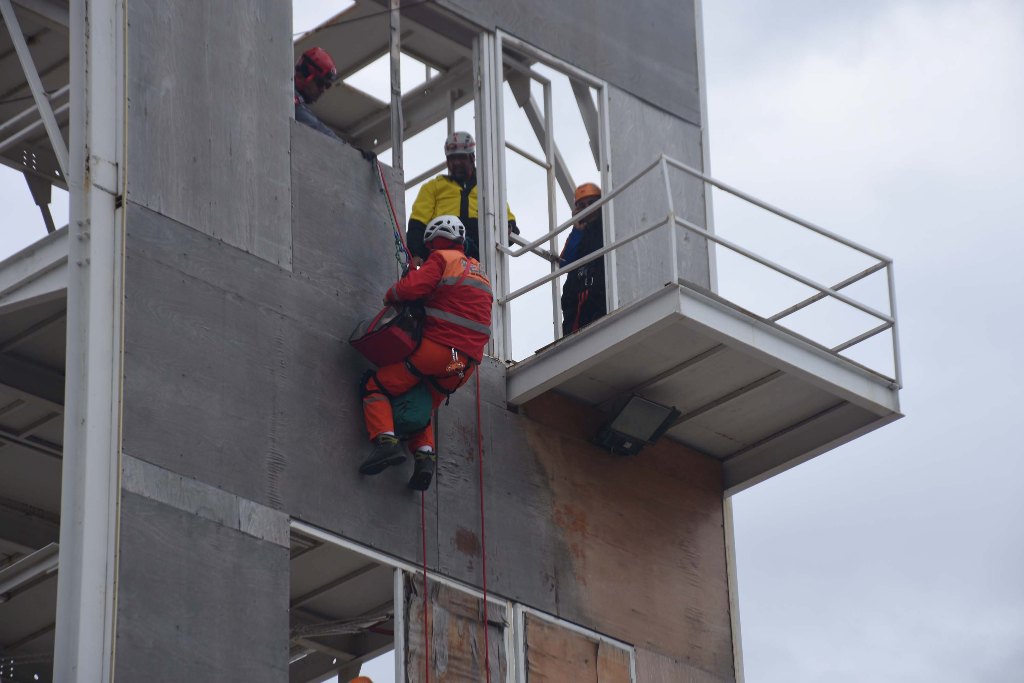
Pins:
x: 391, y: 342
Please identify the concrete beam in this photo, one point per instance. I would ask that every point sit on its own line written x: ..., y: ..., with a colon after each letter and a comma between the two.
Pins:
x: 52, y: 12
x: 26, y: 525
x: 33, y: 380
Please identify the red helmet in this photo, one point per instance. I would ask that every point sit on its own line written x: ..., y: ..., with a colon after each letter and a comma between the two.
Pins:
x: 316, y: 65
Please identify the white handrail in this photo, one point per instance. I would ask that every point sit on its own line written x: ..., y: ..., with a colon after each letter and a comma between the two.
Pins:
x: 888, y: 321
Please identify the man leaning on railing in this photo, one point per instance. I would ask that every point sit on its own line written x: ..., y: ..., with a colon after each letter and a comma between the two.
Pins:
x: 583, y: 299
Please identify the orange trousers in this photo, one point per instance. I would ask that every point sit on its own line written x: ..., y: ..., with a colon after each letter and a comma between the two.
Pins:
x: 432, y: 359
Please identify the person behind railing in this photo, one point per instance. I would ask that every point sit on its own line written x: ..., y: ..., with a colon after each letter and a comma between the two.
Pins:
x: 457, y: 300
x: 452, y: 194
x: 583, y: 299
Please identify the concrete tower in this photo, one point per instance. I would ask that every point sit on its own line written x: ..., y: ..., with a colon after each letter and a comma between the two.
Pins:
x: 179, y: 411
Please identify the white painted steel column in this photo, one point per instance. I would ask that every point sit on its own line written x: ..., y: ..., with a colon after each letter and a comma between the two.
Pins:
x: 734, y: 593
x: 482, y: 58
x: 90, y: 500
x: 673, y: 228
x: 705, y: 144
x: 397, y: 123
x: 607, y: 181
x: 499, y: 187
x: 549, y: 156
x: 399, y: 621
x: 897, y: 369
x: 60, y: 149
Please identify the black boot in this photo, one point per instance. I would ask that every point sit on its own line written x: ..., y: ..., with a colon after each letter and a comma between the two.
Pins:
x: 424, y: 470
x: 387, y: 451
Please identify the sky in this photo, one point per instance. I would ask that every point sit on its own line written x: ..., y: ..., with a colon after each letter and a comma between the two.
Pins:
x: 897, y: 123
x: 900, y: 556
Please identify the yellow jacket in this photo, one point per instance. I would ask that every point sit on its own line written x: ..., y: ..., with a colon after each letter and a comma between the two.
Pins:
x: 442, y: 196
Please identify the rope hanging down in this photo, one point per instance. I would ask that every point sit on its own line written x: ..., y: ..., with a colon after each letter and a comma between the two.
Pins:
x: 483, y: 540
x: 402, y: 254
x: 426, y: 604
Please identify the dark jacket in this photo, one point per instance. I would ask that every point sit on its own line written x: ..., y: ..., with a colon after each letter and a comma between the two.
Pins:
x: 583, y: 298
x: 305, y: 115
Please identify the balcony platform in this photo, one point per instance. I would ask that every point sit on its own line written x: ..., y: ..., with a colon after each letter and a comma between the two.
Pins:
x: 753, y: 395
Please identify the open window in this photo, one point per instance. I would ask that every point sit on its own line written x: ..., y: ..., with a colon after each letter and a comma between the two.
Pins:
x: 341, y: 610
x: 35, y: 104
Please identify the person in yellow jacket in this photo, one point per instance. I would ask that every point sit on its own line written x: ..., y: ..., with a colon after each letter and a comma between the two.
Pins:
x: 453, y: 194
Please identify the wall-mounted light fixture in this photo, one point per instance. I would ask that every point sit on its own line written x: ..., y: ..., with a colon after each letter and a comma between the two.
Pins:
x: 638, y: 423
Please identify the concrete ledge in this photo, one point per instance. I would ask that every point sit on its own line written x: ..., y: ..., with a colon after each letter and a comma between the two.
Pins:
x: 205, y: 501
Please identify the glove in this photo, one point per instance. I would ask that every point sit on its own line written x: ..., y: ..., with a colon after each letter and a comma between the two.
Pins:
x: 368, y: 155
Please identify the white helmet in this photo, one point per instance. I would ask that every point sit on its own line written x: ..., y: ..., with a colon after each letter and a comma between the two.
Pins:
x: 459, y: 143
x: 448, y: 227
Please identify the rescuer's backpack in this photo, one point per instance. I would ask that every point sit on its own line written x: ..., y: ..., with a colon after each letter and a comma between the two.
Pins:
x: 392, y: 341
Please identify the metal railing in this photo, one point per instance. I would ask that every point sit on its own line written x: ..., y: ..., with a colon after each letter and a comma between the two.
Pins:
x: 887, y: 321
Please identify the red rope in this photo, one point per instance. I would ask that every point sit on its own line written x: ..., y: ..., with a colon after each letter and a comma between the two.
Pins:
x: 391, y: 205
x: 483, y: 540
x: 426, y: 624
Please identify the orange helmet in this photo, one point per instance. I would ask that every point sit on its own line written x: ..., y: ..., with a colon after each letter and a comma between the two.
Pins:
x: 361, y: 679
x: 587, y: 190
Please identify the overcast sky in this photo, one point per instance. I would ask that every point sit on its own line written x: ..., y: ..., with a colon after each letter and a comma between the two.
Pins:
x: 898, y: 557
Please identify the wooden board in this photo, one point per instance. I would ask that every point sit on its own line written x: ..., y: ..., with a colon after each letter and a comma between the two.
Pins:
x: 555, y: 654
x: 455, y: 623
x: 652, y: 667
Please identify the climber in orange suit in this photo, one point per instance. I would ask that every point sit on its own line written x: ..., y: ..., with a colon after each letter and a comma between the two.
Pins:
x: 457, y: 299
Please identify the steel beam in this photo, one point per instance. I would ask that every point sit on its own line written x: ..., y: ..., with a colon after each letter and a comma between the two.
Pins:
x: 28, y: 570
x: 26, y: 334
x: 520, y: 86
x: 55, y: 13
x: 33, y: 381
x: 32, y: 76
x: 90, y: 500
x: 731, y: 396
x: 591, y: 121
x: 26, y: 525
x: 37, y: 445
x: 332, y: 585
x: 421, y: 108
x: 397, y: 125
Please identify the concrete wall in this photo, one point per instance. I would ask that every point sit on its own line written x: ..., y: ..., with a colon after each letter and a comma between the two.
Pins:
x: 237, y: 375
x: 640, y: 133
x: 648, y: 48
x: 255, y: 245
x: 210, y: 96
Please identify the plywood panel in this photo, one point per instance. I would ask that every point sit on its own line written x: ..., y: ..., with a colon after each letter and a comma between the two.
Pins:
x: 612, y: 664
x: 555, y: 653
x: 455, y: 623
x: 646, y: 560
x: 652, y: 667
x: 210, y: 98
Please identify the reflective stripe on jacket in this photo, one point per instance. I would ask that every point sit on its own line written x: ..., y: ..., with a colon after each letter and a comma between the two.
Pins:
x: 456, y: 297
